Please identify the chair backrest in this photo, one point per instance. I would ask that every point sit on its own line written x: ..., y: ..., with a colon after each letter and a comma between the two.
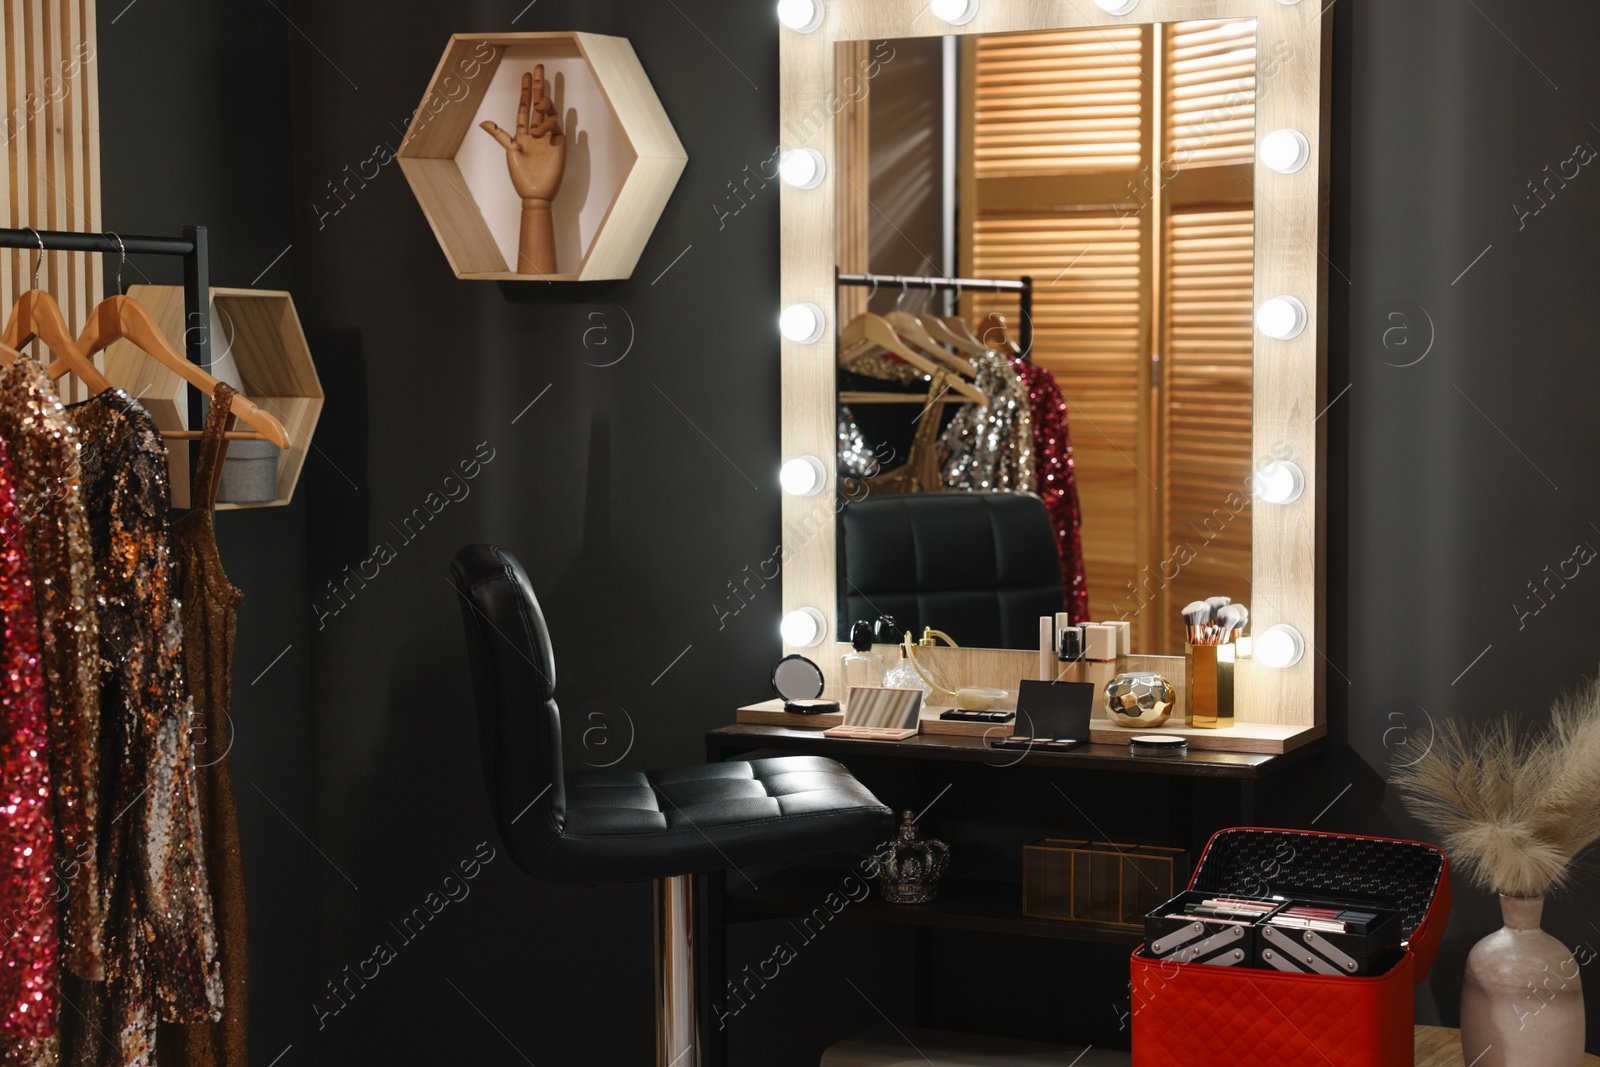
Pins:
x: 513, y: 685
x: 980, y: 566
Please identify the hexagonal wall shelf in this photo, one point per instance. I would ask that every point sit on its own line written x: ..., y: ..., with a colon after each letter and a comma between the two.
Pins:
x: 623, y: 156
x: 257, y: 342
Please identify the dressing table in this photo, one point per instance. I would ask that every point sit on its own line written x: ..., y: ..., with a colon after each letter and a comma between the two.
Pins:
x: 985, y: 906
x: 1168, y: 230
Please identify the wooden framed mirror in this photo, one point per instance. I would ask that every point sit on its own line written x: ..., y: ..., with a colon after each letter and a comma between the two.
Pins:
x: 1120, y: 163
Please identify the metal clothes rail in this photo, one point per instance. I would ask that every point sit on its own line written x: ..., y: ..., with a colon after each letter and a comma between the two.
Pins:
x: 1023, y: 287
x: 192, y: 246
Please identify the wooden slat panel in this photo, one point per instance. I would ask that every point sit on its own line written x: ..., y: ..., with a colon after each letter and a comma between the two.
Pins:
x: 1059, y: 103
x: 1210, y: 258
x: 51, y: 172
x: 1210, y: 84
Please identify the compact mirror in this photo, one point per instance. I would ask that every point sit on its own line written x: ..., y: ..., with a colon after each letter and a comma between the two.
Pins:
x: 797, y: 678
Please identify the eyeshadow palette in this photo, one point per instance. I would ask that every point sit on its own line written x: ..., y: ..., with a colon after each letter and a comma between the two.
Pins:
x: 1277, y: 933
x: 1051, y: 716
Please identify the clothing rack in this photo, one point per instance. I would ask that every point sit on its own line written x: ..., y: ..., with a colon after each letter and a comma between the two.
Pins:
x: 1023, y: 287
x: 192, y: 246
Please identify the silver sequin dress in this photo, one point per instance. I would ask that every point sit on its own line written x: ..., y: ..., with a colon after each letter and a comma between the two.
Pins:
x: 991, y: 449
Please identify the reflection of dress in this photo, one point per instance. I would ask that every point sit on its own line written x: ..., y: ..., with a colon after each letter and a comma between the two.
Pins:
x: 1057, y: 478
x: 210, y: 606
x: 54, y: 533
x: 920, y: 472
x: 856, y: 458
x: 991, y: 448
x: 160, y: 940
x: 27, y: 886
x: 884, y: 366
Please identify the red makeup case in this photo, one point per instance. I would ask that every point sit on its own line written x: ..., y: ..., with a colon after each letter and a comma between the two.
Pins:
x: 1204, y: 1015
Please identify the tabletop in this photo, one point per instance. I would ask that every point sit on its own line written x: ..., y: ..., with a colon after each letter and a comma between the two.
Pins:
x: 1242, y: 766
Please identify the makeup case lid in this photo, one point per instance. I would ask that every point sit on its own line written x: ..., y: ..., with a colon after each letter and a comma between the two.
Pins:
x: 1409, y: 876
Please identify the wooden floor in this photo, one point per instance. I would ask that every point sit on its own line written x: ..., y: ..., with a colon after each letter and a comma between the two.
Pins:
x: 1439, y: 1046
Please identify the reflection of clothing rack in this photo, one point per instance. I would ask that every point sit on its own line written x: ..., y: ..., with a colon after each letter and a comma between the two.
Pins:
x: 196, y: 279
x: 1023, y: 287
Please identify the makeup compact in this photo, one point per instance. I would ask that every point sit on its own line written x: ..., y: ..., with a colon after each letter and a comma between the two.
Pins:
x: 1158, y: 745
x: 1051, y: 716
x: 799, y: 682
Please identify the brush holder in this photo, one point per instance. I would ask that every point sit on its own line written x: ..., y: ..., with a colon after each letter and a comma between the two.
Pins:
x: 1211, y: 686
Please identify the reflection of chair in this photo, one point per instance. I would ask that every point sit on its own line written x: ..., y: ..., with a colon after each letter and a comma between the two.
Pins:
x: 627, y: 826
x: 980, y: 566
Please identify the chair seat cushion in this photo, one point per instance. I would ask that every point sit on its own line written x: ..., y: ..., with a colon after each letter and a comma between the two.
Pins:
x: 630, y: 826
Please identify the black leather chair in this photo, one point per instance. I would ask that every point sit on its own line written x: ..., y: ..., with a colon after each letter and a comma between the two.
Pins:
x: 982, y: 567
x: 624, y: 826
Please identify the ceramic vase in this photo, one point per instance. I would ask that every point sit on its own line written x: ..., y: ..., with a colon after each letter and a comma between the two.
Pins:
x: 1522, y: 1000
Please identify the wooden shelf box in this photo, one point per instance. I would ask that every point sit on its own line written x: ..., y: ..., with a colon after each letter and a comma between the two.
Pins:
x: 1099, y: 882
x: 257, y: 333
x: 623, y: 156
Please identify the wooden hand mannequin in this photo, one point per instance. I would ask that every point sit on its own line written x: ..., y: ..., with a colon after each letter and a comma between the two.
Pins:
x: 536, y: 157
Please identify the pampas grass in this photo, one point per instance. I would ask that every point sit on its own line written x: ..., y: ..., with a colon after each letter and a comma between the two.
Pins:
x: 1513, y: 811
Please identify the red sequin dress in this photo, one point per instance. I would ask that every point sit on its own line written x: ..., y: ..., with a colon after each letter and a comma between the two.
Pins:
x: 52, y: 527
x: 27, y: 881
x: 1057, y: 479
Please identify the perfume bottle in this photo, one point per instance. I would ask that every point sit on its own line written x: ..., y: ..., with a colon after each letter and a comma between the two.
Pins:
x: 905, y: 676
x: 861, y: 665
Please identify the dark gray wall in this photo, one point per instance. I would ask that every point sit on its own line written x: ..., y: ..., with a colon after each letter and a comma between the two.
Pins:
x: 627, y: 488
x: 1460, y: 477
x: 194, y: 128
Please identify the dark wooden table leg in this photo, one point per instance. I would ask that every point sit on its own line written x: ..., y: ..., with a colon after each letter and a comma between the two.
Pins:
x: 713, y: 953
x: 712, y: 967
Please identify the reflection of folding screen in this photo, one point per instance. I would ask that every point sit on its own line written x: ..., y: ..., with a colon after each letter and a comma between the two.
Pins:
x: 1148, y: 134
x: 885, y: 709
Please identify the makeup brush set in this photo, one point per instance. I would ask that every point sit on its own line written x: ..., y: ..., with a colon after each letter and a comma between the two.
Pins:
x: 1214, y: 621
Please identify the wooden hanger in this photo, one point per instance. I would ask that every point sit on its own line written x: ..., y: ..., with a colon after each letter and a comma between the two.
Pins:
x: 943, y: 329
x: 873, y: 331
x: 121, y: 317
x: 993, y: 329
x: 851, y: 398
x: 914, y: 333
x: 37, y: 315
x: 958, y: 326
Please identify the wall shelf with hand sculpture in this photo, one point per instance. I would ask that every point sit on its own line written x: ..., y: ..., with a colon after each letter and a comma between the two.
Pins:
x: 573, y: 190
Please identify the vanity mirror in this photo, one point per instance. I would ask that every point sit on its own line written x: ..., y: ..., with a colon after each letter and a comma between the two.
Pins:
x: 1109, y: 227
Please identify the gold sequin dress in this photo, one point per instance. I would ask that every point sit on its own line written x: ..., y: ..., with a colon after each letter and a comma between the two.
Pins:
x: 210, y: 611
x: 51, y: 525
x: 161, y: 942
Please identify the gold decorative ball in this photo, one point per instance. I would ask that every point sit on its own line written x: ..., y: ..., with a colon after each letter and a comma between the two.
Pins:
x: 1139, y: 701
